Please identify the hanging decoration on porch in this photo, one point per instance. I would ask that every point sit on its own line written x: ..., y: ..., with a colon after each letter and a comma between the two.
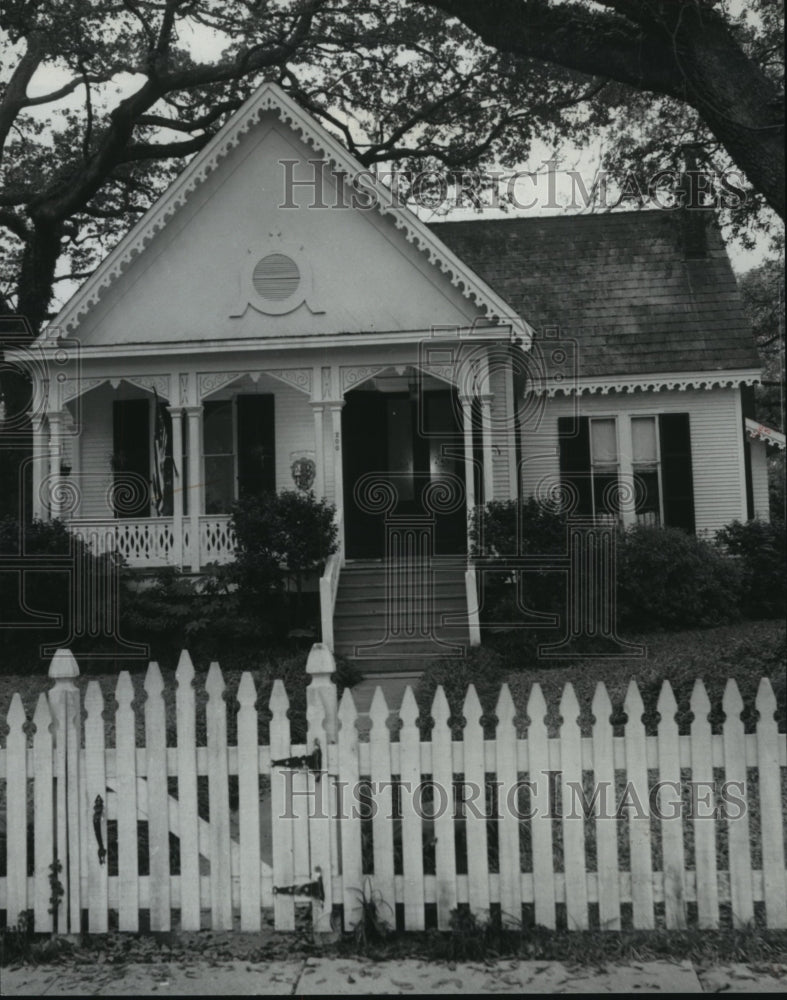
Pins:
x: 303, y: 470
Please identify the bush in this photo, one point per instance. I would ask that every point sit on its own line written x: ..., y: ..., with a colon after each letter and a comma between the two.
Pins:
x: 281, y: 535
x: 762, y: 553
x: 173, y: 612
x: 667, y: 579
x: 513, y: 528
x: 45, y: 586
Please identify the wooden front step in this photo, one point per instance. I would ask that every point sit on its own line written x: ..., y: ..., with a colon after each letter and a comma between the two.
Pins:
x: 392, y: 617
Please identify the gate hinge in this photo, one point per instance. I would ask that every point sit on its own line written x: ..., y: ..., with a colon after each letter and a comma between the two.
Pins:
x: 312, y: 761
x: 314, y: 890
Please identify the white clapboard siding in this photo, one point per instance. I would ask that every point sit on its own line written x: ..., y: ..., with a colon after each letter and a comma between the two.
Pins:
x: 227, y: 876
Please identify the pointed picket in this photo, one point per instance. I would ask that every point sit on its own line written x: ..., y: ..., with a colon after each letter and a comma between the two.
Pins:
x: 382, y: 820
x: 574, y: 864
x: 636, y: 795
x: 43, y: 814
x: 188, y: 812
x: 669, y: 806
x: 218, y: 802
x: 443, y: 810
x: 741, y: 892
x: 412, y: 831
x: 541, y: 823
x: 772, y: 829
x: 96, y: 789
x: 474, y: 805
x: 126, y: 797
x: 248, y: 806
x: 158, y: 799
x: 16, y: 805
x: 510, y: 864
x: 349, y: 821
x: 604, y: 811
x: 281, y: 808
x: 704, y: 829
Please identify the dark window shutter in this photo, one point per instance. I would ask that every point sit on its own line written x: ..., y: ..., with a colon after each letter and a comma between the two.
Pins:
x: 256, y: 445
x: 131, y: 457
x: 676, y: 477
x: 574, y: 438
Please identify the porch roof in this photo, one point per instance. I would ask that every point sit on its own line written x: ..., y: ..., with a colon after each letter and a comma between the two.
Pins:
x: 621, y: 284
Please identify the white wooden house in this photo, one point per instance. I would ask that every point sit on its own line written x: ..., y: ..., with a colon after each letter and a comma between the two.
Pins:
x: 281, y: 321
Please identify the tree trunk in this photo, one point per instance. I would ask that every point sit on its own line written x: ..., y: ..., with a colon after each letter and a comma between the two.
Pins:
x: 39, y: 263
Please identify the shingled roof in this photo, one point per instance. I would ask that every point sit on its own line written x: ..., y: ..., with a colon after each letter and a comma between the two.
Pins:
x: 621, y: 283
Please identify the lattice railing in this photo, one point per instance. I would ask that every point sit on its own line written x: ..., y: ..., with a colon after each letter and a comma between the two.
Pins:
x: 216, y: 540
x: 145, y: 542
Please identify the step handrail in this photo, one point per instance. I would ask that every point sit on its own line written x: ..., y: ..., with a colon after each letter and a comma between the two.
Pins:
x: 329, y: 584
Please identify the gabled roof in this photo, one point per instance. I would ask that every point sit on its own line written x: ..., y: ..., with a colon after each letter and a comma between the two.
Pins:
x: 620, y: 284
x: 271, y: 98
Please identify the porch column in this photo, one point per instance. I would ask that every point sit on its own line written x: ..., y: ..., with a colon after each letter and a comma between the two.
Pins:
x: 194, y: 414
x: 178, y: 485
x: 467, y: 415
x: 55, y: 418
x: 38, y: 465
x: 486, y: 444
x: 318, y: 409
x: 338, y: 472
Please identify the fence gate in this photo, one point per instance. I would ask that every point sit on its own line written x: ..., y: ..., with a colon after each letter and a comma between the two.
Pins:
x: 178, y: 832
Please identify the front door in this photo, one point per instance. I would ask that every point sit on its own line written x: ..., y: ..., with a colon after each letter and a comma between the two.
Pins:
x: 411, y: 445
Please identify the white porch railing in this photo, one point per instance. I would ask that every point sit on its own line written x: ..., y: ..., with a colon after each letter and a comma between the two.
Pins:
x: 151, y: 542
x: 329, y: 584
x: 216, y: 539
x: 147, y: 541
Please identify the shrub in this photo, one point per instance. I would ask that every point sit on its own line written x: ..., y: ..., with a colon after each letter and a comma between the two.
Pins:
x: 503, y: 528
x: 174, y: 611
x: 762, y: 554
x: 281, y: 535
x: 45, y: 586
x: 667, y: 579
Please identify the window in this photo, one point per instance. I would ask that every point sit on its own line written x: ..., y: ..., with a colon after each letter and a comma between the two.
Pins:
x: 661, y: 464
x: 647, y: 469
x: 604, y: 466
x: 238, y: 449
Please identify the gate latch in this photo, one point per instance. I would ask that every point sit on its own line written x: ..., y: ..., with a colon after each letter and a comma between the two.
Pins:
x: 312, y: 761
x: 314, y: 890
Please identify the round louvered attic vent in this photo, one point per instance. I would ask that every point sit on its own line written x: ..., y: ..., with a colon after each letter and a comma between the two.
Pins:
x: 276, y: 277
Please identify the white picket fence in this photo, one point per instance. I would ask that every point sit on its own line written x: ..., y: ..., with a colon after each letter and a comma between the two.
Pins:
x: 421, y: 825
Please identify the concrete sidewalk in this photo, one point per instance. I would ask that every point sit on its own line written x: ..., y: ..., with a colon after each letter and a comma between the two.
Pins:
x: 360, y: 977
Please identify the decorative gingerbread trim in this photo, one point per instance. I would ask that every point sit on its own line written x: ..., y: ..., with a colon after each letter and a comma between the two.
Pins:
x: 759, y: 432
x: 300, y: 378
x: 210, y: 382
x: 351, y: 376
x: 644, y: 383
x: 271, y: 98
x: 158, y: 383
